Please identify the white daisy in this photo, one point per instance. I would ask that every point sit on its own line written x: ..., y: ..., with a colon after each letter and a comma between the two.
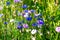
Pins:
x: 11, y: 20
x: 26, y: 15
x: 48, y: 32
x: 33, y: 31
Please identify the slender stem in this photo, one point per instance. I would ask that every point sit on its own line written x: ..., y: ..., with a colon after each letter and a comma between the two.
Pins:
x: 57, y: 36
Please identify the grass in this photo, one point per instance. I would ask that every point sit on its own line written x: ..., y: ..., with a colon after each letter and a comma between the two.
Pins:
x: 50, y: 14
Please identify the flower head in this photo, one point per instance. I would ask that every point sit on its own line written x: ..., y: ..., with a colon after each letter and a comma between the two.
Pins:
x: 5, y: 22
x: 8, y: 3
x: 26, y: 15
x: 11, y: 20
x: 19, y: 27
x: 26, y: 11
x: 40, y: 22
x: 57, y: 29
x: 34, y: 24
x: 24, y: 6
x: 16, y: 1
x: 29, y: 18
x: 33, y: 31
x: 25, y: 25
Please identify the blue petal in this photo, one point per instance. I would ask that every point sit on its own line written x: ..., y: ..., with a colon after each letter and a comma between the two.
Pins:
x: 24, y: 6
x: 29, y: 18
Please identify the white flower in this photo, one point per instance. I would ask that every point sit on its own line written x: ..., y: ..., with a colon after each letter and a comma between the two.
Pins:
x: 48, y: 32
x: 33, y: 38
x: 37, y: 14
x: 33, y: 31
x: 12, y: 20
x: 40, y: 26
x: 26, y: 15
x: 29, y: 11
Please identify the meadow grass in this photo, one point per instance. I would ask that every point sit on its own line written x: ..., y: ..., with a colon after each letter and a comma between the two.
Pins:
x: 50, y: 10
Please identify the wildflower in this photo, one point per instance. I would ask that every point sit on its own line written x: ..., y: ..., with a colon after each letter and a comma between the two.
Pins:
x: 29, y: 18
x: 12, y: 20
x: 48, y: 32
x: 57, y: 29
x: 1, y: 15
x: 33, y: 31
x: 19, y: 27
x: 26, y: 11
x: 40, y: 22
x: 37, y: 14
x: 16, y: 1
x: 34, y: 24
x: 29, y: 11
x: 5, y: 22
x: 39, y: 25
x: 24, y: 6
x: 8, y: 3
x: 25, y: 25
x: 26, y: 15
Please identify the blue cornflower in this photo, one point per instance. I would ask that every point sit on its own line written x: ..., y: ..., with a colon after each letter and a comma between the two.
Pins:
x: 19, y: 27
x: 34, y: 24
x: 8, y: 3
x: 29, y: 18
x: 5, y: 22
x: 40, y: 22
x: 26, y: 11
x: 24, y: 6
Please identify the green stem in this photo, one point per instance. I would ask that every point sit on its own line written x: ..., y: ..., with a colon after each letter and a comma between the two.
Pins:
x: 57, y: 36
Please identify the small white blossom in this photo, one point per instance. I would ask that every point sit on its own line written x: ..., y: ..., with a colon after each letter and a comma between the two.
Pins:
x: 37, y: 14
x: 26, y: 15
x: 12, y: 20
x: 40, y: 26
x: 48, y: 32
x: 33, y: 31
x: 29, y: 11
